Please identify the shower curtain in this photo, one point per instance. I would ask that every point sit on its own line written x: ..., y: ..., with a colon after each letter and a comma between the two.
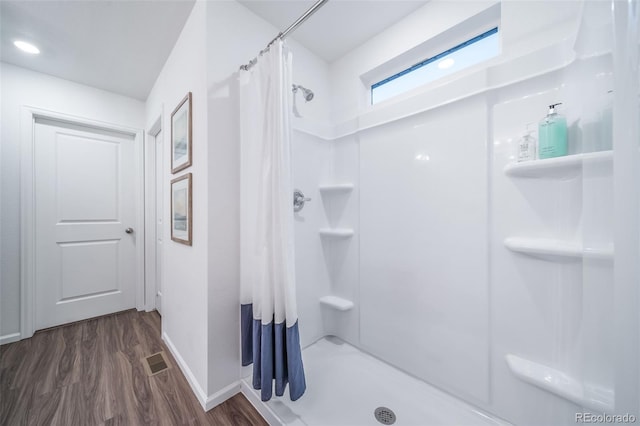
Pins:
x: 269, y: 319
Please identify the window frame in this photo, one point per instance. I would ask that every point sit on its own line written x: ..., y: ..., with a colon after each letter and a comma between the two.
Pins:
x: 421, y: 64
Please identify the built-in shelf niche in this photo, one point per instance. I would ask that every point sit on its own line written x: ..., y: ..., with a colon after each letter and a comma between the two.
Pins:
x: 559, y: 167
x: 337, y: 188
x: 584, y: 394
x: 337, y: 303
x: 549, y: 248
x: 336, y: 233
x: 333, y: 192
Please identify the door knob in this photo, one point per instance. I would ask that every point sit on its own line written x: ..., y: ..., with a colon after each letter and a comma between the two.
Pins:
x: 129, y: 230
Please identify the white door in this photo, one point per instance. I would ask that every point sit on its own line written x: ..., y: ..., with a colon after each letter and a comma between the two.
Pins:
x: 159, y: 216
x: 84, y: 202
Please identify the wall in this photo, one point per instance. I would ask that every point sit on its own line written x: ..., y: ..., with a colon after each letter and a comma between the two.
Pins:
x: 525, y: 26
x: 312, y: 157
x: 349, y: 95
x: 24, y: 87
x: 312, y: 166
x: 626, y: 137
x: 561, y: 305
x: 225, y: 21
x: 342, y: 210
x: 185, y: 269
x: 423, y: 256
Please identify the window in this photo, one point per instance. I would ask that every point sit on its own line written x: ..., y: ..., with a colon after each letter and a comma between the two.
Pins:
x: 464, y: 55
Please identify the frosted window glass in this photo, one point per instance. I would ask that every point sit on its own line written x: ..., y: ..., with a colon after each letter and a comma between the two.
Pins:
x: 471, y: 52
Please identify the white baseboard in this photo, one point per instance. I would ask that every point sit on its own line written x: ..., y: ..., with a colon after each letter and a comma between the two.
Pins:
x: 207, y: 402
x: 195, y: 386
x: 9, y: 338
x: 222, y: 395
x: 260, y: 406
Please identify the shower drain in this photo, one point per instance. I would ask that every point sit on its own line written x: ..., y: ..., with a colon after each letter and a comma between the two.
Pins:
x: 385, y: 415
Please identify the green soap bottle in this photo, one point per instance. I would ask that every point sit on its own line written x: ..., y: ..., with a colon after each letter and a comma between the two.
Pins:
x: 552, y: 134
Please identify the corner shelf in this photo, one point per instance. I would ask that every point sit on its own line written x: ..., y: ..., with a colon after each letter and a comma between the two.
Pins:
x: 557, y: 168
x: 337, y: 303
x: 557, y: 382
x: 336, y: 233
x: 547, y: 247
x: 337, y: 188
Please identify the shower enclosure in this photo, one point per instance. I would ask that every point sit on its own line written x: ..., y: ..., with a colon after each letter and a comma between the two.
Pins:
x: 438, y: 280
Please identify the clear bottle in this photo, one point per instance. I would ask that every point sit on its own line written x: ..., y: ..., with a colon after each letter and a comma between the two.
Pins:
x: 552, y: 134
x: 527, y: 145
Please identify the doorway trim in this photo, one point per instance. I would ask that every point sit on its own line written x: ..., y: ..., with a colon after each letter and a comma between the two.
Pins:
x: 28, y: 117
x: 150, y: 203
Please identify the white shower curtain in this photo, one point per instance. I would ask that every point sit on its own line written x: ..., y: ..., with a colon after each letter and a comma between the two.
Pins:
x: 270, y: 336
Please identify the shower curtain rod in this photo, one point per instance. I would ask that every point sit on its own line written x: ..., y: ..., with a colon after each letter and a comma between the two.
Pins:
x: 317, y: 5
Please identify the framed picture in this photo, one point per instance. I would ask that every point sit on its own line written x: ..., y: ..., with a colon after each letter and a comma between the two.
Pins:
x: 181, y: 135
x: 181, y: 217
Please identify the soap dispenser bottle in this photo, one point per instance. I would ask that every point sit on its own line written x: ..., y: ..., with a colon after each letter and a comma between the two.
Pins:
x: 527, y: 146
x: 552, y: 134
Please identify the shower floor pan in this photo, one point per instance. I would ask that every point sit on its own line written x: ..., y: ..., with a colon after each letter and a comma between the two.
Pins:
x: 346, y: 385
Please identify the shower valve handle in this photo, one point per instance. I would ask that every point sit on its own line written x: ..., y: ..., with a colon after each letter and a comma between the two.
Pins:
x: 298, y: 200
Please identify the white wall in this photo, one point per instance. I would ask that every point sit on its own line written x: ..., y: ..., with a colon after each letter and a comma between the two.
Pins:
x: 349, y: 95
x: 548, y: 299
x: 525, y: 26
x: 24, y: 87
x: 225, y: 21
x: 424, y: 290
x: 311, y: 167
x: 185, y: 269
x: 343, y: 262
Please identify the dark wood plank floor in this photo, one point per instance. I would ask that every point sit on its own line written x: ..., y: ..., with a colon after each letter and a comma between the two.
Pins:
x: 91, y: 373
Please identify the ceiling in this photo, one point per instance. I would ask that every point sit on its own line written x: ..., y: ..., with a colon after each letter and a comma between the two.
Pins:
x: 119, y: 46
x: 337, y: 27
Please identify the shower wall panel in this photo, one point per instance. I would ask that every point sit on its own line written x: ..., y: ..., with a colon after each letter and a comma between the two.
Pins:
x: 536, y: 302
x: 424, y: 289
x: 343, y: 254
x: 562, y: 305
x: 311, y: 165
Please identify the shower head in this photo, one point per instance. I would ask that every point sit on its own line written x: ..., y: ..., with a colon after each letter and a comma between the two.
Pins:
x: 306, y: 93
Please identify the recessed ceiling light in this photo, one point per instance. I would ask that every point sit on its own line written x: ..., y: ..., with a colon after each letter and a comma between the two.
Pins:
x: 446, y: 63
x: 26, y: 47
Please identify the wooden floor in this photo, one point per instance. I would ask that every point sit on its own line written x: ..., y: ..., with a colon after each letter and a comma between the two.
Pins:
x: 91, y: 373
